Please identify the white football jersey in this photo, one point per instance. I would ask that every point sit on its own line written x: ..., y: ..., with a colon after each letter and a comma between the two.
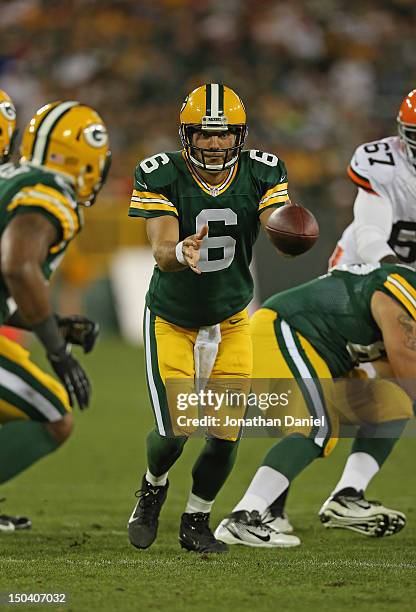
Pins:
x: 381, y: 168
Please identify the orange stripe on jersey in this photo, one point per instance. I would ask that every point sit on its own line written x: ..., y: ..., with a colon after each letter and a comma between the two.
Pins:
x: 336, y: 256
x: 360, y: 181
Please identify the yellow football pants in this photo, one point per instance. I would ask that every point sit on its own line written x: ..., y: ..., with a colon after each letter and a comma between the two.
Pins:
x: 170, y: 371
x: 26, y: 392
x: 281, y: 354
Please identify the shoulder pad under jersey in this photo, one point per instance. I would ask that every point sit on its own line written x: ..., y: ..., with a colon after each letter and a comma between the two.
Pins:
x: 373, y: 163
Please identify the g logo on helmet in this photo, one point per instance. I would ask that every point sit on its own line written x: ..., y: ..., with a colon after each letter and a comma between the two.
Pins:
x: 7, y: 110
x: 96, y: 135
x: 184, y: 103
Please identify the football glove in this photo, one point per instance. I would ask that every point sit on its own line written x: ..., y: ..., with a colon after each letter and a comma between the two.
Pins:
x: 72, y: 376
x: 77, y: 329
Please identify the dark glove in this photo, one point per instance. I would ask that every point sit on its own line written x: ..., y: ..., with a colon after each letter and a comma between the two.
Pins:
x: 77, y: 329
x: 72, y: 376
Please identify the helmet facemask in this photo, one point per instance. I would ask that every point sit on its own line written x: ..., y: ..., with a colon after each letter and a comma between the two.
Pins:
x: 407, y: 133
x: 88, y: 186
x: 231, y: 154
x: 406, y: 123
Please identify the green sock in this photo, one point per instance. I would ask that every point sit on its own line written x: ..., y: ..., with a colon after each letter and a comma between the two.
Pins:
x: 21, y: 444
x: 292, y: 455
x: 375, y: 439
x: 212, y: 467
x: 162, y: 452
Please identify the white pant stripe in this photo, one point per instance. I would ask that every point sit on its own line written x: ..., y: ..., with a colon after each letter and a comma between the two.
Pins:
x: 308, y: 381
x: 152, y: 386
x: 22, y: 389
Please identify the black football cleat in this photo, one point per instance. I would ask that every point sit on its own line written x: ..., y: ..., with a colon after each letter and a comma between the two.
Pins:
x: 195, y: 534
x: 144, y: 519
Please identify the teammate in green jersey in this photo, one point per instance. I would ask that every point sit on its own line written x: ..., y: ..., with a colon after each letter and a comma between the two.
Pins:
x: 65, y: 157
x: 312, y: 334
x: 204, y: 206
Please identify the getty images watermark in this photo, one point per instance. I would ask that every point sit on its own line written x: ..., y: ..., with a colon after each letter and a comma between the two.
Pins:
x: 229, y: 408
x: 227, y: 401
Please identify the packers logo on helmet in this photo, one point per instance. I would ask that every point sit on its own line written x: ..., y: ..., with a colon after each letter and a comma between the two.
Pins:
x: 213, y: 108
x: 406, y: 120
x: 7, y: 126
x: 71, y: 139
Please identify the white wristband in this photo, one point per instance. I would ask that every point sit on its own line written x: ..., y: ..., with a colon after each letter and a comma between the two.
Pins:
x: 179, y: 253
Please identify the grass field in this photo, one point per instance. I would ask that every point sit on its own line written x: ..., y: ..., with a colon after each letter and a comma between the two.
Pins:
x: 80, y: 498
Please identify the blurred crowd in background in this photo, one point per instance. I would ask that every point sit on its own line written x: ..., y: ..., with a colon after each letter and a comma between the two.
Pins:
x: 318, y: 77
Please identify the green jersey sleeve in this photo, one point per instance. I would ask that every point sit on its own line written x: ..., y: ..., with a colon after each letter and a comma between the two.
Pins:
x: 152, y: 191
x: 270, y: 175
x: 53, y: 203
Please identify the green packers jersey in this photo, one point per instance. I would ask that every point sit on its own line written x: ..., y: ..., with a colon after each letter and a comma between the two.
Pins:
x: 333, y: 312
x: 28, y: 189
x: 166, y: 184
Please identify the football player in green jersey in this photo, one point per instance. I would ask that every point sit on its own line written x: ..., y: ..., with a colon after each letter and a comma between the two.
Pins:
x: 204, y: 206
x: 65, y: 158
x: 312, y: 334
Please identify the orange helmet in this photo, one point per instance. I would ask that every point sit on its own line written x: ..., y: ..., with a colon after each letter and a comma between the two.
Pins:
x: 406, y: 120
x: 213, y: 108
x: 7, y: 126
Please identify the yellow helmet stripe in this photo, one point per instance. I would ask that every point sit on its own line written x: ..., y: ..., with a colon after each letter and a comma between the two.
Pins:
x: 41, y: 140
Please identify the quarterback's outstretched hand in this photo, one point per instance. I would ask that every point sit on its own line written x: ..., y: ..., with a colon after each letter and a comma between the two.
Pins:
x: 79, y: 330
x: 191, y: 249
x: 72, y: 376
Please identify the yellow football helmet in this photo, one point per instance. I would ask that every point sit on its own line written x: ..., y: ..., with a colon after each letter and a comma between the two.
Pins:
x: 213, y: 108
x: 7, y: 126
x: 71, y: 139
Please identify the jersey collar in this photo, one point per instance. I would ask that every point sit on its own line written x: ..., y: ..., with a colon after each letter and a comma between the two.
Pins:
x: 212, y: 190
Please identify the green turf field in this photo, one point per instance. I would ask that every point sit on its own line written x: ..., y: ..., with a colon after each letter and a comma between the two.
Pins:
x: 80, y: 500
